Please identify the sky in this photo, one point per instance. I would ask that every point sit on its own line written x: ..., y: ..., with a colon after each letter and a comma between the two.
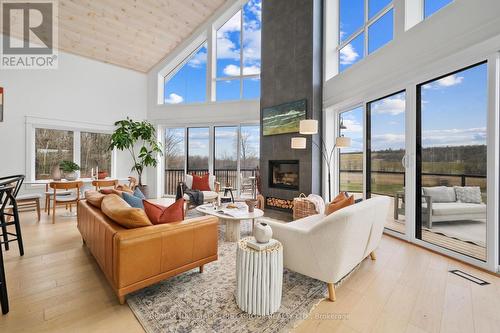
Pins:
x: 380, y: 32
x: 454, y: 113
x: 188, y: 85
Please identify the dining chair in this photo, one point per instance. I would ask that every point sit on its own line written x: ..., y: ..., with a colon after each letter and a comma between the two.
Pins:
x: 73, y: 198
x: 100, y: 183
x: 9, y: 213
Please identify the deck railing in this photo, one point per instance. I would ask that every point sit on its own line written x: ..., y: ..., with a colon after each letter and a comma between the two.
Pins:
x: 389, y: 182
x: 226, y: 177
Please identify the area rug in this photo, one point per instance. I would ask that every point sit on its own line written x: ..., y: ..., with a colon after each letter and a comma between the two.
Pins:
x: 194, y: 302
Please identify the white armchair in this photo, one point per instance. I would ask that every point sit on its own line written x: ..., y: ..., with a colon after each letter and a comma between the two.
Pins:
x: 328, y: 247
x: 208, y: 196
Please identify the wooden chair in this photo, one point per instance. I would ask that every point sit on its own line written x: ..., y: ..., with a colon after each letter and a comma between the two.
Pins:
x: 28, y: 202
x: 132, y: 182
x: 98, y: 184
x: 71, y: 199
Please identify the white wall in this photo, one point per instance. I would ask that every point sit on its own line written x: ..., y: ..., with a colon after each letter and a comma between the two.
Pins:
x: 451, y: 36
x: 81, y: 91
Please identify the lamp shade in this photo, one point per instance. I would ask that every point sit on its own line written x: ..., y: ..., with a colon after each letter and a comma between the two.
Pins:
x: 308, y: 126
x: 342, y: 142
x: 299, y: 143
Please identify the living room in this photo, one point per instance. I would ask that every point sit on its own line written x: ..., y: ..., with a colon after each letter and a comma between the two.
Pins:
x: 250, y: 165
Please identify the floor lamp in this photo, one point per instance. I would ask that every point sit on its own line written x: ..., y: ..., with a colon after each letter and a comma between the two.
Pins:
x: 310, y: 127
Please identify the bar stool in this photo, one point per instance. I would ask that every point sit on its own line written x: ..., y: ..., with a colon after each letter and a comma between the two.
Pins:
x: 9, y: 210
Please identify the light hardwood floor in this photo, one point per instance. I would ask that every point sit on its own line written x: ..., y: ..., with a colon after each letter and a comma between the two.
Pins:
x: 58, y: 287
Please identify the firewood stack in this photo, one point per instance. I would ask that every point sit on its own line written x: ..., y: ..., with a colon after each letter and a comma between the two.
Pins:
x: 279, y: 203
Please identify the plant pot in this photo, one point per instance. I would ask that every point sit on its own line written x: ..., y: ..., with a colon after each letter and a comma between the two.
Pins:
x: 102, y: 174
x: 71, y: 176
x: 251, y: 204
x: 145, y: 190
x: 263, y: 232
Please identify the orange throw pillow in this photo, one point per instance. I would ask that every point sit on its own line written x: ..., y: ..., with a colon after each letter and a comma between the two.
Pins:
x: 120, y: 211
x: 334, y: 206
x: 124, y: 188
x: 159, y: 214
x: 201, y: 183
x: 94, y: 198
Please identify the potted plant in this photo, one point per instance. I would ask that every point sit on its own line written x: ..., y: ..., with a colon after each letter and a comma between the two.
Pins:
x: 69, y: 168
x: 129, y: 135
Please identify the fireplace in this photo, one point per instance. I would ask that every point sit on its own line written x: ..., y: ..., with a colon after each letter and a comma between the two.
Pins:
x: 284, y: 174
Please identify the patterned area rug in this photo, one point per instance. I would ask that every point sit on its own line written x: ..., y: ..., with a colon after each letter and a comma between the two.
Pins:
x: 194, y: 302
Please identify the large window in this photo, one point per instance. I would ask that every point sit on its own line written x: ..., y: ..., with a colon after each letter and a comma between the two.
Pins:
x: 234, y: 158
x: 198, y: 149
x: 362, y: 33
x: 54, y: 145
x: 94, y: 152
x: 238, y: 54
x: 351, y: 125
x: 432, y: 6
x: 188, y: 82
x: 452, y: 118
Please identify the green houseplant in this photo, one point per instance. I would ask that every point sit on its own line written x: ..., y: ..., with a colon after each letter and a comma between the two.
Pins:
x: 69, y: 168
x: 131, y: 135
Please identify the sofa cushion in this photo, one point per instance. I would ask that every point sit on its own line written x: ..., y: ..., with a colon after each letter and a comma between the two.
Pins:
x: 207, y: 195
x: 119, y: 211
x: 94, y: 198
x: 124, y: 188
x: 335, y: 206
x: 160, y: 214
x: 440, y: 193
x: 132, y: 200
x: 329, y: 207
x: 468, y: 194
x: 458, y: 208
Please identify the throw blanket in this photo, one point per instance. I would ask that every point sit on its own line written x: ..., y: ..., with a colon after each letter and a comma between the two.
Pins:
x: 195, y: 196
x: 318, y: 202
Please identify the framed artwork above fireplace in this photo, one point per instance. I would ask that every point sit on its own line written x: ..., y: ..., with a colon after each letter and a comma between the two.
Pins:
x: 283, y: 118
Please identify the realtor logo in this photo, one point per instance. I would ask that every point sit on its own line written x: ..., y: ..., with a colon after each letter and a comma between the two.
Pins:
x: 29, y: 34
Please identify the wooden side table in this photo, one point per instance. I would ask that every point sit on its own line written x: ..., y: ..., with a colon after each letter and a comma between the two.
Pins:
x: 259, y: 278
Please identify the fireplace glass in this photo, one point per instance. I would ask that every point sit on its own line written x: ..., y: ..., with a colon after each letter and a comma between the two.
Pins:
x: 284, y: 174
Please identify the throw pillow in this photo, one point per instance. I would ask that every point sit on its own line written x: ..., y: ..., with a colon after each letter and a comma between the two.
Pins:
x: 120, y: 212
x: 333, y: 207
x: 124, y: 188
x: 440, y: 193
x: 201, y: 183
x: 138, y: 193
x: 160, y: 214
x: 329, y: 208
x: 132, y: 200
x: 94, y: 198
x: 468, y: 194
x: 111, y: 191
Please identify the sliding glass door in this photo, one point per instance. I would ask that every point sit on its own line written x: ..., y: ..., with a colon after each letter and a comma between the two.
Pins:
x: 385, y: 155
x: 226, y: 156
x: 451, y: 184
x: 351, y: 125
x: 175, y: 158
x: 198, y: 149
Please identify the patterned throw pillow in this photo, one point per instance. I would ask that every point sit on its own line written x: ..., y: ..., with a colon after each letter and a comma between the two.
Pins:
x: 468, y: 194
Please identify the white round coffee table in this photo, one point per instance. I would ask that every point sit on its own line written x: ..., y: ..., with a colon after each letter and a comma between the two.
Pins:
x: 232, y: 222
x: 259, y: 278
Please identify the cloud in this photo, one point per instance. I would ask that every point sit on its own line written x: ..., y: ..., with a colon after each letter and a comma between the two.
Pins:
x: 454, y: 137
x: 391, y: 105
x: 234, y: 70
x: 448, y: 81
x: 353, y: 126
x: 348, y: 55
x: 173, y: 98
x: 199, y: 59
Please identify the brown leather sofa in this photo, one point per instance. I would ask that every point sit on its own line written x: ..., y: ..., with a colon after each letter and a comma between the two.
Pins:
x: 133, y: 259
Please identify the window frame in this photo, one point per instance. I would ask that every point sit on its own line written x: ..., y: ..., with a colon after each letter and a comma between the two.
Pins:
x: 242, y: 76
x: 167, y: 77
x: 368, y: 22
x: 32, y: 123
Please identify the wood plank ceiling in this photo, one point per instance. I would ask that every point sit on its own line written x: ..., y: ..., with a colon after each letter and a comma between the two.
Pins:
x: 134, y: 34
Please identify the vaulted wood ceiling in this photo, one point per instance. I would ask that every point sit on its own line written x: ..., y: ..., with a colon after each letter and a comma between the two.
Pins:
x: 135, y: 34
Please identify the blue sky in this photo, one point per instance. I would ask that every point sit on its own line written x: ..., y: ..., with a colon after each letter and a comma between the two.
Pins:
x: 380, y: 32
x: 188, y: 85
x: 454, y: 113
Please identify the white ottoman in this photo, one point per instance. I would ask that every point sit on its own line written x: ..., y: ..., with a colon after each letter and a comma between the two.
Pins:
x: 259, y: 278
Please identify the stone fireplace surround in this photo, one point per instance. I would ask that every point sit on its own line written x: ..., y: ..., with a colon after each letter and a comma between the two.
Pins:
x: 291, y: 70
